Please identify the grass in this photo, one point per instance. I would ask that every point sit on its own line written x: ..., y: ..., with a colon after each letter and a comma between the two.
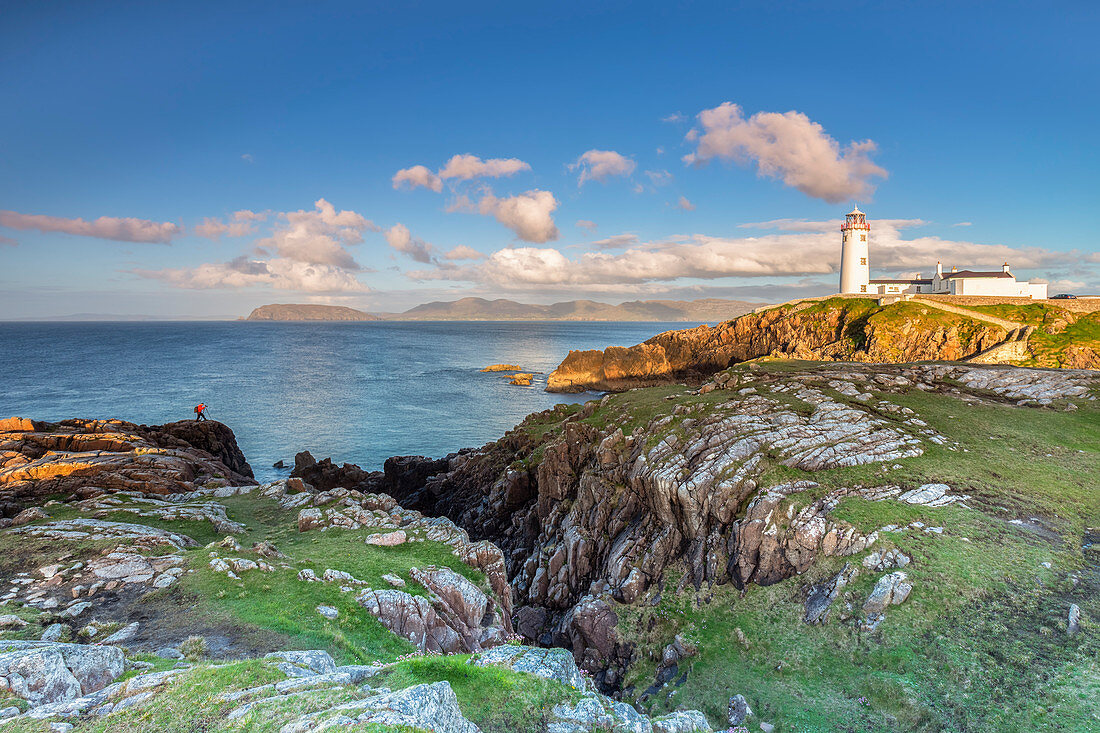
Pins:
x: 496, y: 699
x: 281, y: 604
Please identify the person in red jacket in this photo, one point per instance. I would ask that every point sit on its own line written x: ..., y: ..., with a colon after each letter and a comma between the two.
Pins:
x: 200, y: 412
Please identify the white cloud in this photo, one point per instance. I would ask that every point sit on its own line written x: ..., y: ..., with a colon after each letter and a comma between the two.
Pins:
x: 462, y: 252
x: 599, y: 165
x: 465, y: 167
x: 586, y: 224
x: 684, y: 204
x: 400, y: 238
x: 7, y: 241
x: 788, y: 146
x: 278, y: 273
x: 460, y: 167
x: 105, y: 227
x: 247, y: 158
x: 529, y: 214
x: 674, y: 117
x: 418, y: 175
x: 617, y: 241
x: 241, y: 224
x: 318, y: 237
x: 963, y: 224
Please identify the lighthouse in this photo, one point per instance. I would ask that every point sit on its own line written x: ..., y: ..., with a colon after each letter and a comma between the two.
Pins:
x: 855, y: 272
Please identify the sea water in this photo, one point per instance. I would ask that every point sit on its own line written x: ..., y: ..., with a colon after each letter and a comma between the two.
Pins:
x: 355, y: 392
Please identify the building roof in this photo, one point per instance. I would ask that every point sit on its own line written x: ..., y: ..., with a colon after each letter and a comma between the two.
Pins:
x: 917, y: 281
x: 972, y: 273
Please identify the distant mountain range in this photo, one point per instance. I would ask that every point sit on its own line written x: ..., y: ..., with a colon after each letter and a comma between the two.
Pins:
x: 707, y: 310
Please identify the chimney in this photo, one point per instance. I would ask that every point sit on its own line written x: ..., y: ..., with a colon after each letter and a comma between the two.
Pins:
x: 939, y: 269
x: 1005, y: 268
x: 954, y: 269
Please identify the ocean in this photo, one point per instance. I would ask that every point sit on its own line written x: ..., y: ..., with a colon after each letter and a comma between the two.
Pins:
x: 355, y: 392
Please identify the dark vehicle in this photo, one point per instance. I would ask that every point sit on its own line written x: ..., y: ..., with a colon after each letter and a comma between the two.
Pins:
x: 1064, y: 296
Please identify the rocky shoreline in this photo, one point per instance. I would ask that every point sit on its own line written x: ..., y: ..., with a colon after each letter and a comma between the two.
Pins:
x: 578, y: 520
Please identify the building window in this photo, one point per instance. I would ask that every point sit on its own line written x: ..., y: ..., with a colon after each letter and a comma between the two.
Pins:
x: 863, y: 288
x: 863, y: 260
x: 863, y: 237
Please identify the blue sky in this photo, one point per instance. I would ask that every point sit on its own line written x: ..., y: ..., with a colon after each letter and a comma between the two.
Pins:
x: 981, y: 119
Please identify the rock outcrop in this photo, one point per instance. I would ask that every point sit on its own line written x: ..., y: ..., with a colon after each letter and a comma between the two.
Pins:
x: 93, y: 457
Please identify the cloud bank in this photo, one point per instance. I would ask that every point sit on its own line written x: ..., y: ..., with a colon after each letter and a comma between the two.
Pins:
x: 813, y: 251
x: 240, y: 224
x: 306, y: 250
x: 105, y: 227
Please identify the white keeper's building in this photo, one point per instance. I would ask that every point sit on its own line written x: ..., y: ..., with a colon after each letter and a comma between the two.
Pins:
x: 855, y: 272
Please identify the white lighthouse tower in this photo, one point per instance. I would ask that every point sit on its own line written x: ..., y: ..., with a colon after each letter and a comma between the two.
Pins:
x: 855, y: 272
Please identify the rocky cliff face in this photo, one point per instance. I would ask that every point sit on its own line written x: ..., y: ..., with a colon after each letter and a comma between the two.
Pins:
x: 839, y: 329
x: 593, y: 513
x: 88, y: 457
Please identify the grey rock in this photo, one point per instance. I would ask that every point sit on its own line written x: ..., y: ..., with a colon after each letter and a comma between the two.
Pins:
x: 303, y: 663
x: 123, y: 635
x: 820, y: 597
x: 328, y: 612
x: 738, y: 710
x: 393, y: 580
x: 1073, y: 621
x: 682, y: 721
x: 597, y: 712
x: 429, y: 707
x: 358, y: 672
x: 890, y: 589
x: 886, y: 559
x: 169, y: 652
x: 11, y: 621
x: 44, y: 672
x: 552, y: 664
x: 767, y: 727
x: 53, y: 632
x: 75, y: 610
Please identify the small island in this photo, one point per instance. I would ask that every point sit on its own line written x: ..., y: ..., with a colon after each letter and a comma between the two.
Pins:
x: 308, y: 312
x: 503, y: 368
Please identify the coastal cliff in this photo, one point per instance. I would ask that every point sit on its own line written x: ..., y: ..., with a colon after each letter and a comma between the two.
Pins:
x: 835, y: 329
x: 632, y: 525
x: 673, y: 560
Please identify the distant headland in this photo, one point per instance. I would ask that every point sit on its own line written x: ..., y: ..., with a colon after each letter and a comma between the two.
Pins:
x: 480, y: 309
x: 308, y: 312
